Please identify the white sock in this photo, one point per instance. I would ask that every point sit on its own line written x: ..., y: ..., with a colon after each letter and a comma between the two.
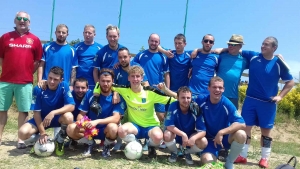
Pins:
x: 129, y: 138
x: 244, y: 153
x: 152, y: 144
x: 108, y: 141
x: 55, y: 131
x: 172, y: 146
x: 193, y: 150
x: 265, y: 152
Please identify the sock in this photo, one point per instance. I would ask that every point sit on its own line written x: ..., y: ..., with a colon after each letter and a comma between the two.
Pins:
x: 62, y: 133
x: 108, y: 141
x: 235, y: 150
x: 152, y: 144
x: 119, y: 140
x: 129, y: 138
x: 32, y: 139
x: 193, y: 150
x: 172, y: 146
x: 244, y: 152
x: 56, y: 131
x: 265, y: 152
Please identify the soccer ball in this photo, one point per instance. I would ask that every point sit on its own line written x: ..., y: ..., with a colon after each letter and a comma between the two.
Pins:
x: 133, y: 150
x: 44, y: 150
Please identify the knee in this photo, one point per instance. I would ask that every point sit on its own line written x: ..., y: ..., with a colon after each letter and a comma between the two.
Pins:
x: 156, y: 136
x: 168, y: 136
x: 67, y: 118
x: 201, y: 143
x: 207, y: 158
x: 23, y: 133
x: 240, y: 136
x: 122, y: 131
x: 70, y: 129
x: 112, y: 128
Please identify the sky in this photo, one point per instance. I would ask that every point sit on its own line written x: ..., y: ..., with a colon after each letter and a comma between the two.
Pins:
x: 255, y: 20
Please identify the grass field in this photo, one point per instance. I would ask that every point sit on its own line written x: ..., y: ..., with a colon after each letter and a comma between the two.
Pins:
x: 286, y: 144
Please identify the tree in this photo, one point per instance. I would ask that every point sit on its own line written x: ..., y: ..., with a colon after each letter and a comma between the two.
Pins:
x: 142, y: 49
x: 73, y: 42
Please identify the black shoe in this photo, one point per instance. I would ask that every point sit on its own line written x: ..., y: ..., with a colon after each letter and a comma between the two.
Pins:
x: 223, y: 153
x: 88, y: 151
x: 73, y: 144
x: 151, y: 152
x: 106, y: 151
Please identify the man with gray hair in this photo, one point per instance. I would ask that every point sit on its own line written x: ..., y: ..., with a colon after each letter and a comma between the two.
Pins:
x: 20, y: 54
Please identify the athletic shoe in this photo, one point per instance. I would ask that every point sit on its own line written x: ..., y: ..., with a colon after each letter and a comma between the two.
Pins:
x: 151, y: 152
x: 180, y: 152
x: 240, y: 160
x: 73, y: 144
x: 162, y: 145
x: 106, y: 151
x: 172, y: 158
x: 118, y: 145
x: 59, y: 148
x: 263, y: 163
x: 189, y: 159
x: 145, y: 145
x: 223, y: 153
x: 88, y: 151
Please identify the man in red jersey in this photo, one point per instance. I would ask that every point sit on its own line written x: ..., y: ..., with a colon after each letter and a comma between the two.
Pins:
x: 20, y: 54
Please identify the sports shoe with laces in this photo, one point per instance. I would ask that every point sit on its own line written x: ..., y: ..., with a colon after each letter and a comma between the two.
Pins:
x: 173, y: 157
x: 73, y: 144
x: 188, y: 159
x: 240, y: 160
x: 263, y: 163
x: 59, y: 148
x: 88, y: 151
x: 106, y: 151
x: 151, y: 152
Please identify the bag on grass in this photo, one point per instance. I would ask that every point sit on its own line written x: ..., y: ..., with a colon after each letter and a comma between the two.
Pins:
x: 288, y: 166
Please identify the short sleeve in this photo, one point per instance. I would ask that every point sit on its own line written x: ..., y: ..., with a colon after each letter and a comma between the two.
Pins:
x: 2, y: 46
x: 249, y: 54
x: 169, y: 120
x: 98, y: 58
x: 68, y: 97
x: 85, y: 103
x: 36, y: 99
x: 200, y: 124
x: 38, y: 53
x: 120, y: 107
x: 75, y: 58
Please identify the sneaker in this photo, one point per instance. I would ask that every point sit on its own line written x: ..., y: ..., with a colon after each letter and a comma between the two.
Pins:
x: 88, y: 151
x: 240, y: 160
x: 145, y: 146
x: 151, y: 152
x: 162, y: 145
x: 223, y: 153
x: 59, y: 148
x: 188, y: 159
x: 172, y: 158
x: 101, y: 144
x: 106, y: 151
x: 73, y: 144
x: 263, y: 163
x: 180, y: 152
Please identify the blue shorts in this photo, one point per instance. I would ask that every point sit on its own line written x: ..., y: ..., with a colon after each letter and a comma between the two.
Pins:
x: 54, y: 122
x: 179, y: 138
x: 213, y: 150
x: 259, y: 113
x: 101, y: 134
x: 161, y: 108
x: 142, y: 131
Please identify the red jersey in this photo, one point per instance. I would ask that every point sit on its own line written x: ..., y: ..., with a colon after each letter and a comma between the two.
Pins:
x: 19, y: 54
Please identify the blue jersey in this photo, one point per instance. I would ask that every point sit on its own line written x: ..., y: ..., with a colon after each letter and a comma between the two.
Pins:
x: 121, y: 76
x: 155, y: 65
x: 179, y: 67
x: 47, y: 100
x: 217, y: 116
x: 264, y: 75
x: 86, y: 54
x: 106, y: 57
x: 77, y: 104
x: 63, y: 56
x: 107, y: 107
x: 230, y: 69
x: 184, y: 122
x: 203, y: 69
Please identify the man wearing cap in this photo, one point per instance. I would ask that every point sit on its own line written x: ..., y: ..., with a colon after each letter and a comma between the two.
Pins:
x: 231, y: 67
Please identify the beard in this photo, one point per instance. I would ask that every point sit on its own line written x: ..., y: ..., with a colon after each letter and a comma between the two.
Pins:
x: 124, y: 65
x: 205, y: 49
x: 62, y: 40
x: 105, y: 90
x: 153, y: 47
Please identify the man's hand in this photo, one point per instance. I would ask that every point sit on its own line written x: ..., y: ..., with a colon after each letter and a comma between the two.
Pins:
x: 217, y: 51
x: 194, y: 53
x: 218, y: 139
x: 47, y: 120
x: 116, y: 66
x: 276, y: 99
x: 42, y: 84
x: 185, y: 140
x: 169, y: 54
x: 162, y: 87
x: 91, y: 124
x: 191, y: 142
x: 116, y: 98
x: 43, y: 139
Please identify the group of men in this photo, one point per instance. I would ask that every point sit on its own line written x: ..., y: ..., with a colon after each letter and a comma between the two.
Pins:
x: 203, y: 119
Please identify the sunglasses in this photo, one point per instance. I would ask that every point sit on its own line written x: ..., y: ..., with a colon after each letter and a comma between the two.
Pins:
x: 19, y: 18
x: 232, y: 44
x: 210, y: 41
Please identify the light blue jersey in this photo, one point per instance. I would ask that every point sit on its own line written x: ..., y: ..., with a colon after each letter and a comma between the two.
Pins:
x: 203, y: 69
x: 47, y: 100
x: 106, y: 57
x: 179, y: 67
x: 121, y: 76
x: 86, y: 54
x: 230, y: 69
x: 264, y: 75
x: 63, y: 56
x: 155, y: 65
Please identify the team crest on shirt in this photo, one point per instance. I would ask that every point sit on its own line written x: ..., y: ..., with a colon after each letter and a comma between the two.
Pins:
x: 258, y: 60
x: 146, y: 56
x: 168, y: 115
x: 81, y: 48
x: 122, y: 105
x: 109, y: 55
x: 143, y: 100
x: 95, y: 58
x: 69, y: 94
x: 29, y: 41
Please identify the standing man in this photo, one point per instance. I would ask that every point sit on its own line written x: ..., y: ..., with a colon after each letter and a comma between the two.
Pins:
x: 106, y: 121
x: 156, y: 68
x: 51, y: 107
x: 86, y: 52
x: 203, y: 67
x: 20, y: 54
x: 262, y: 96
x: 59, y: 53
x: 231, y: 68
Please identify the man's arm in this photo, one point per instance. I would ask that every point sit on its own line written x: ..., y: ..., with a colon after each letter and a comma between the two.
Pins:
x: 287, y: 87
x: 38, y: 120
x: 145, y: 83
x: 40, y: 70
x: 168, y: 53
x: 95, y: 74
x: 167, y: 79
x: 35, y: 66
x: 1, y: 60
x: 232, y: 128
x: 115, y: 118
x: 73, y: 76
x: 66, y: 108
x: 167, y: 91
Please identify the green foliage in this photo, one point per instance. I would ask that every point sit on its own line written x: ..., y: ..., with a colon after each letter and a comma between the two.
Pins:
x: 142, y: 49
x: 242, y: 93
x: 73, y: 42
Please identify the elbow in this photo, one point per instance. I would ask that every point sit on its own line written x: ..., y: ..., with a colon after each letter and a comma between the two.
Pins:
x: 71, y: 108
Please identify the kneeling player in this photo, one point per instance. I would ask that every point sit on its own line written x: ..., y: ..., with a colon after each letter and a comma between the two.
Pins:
x: 106, y: 121
x: 184, y: 116
x: 52, y: 107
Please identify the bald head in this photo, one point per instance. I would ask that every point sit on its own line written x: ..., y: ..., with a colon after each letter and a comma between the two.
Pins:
x: 153, y: 42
